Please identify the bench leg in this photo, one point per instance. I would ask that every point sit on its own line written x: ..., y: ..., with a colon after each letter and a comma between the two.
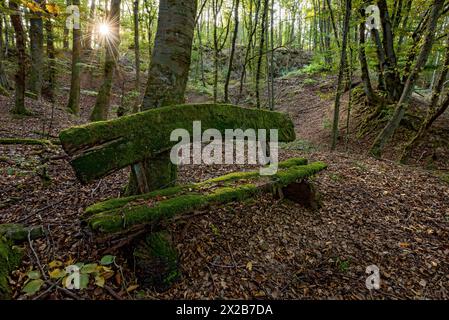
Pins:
x: 157, y: 261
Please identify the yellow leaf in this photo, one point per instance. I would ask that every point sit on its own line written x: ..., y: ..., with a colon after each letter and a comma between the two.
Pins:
x: 404, y: 244
x: 132, y: 287
x: 57, y: 273
x: 55, y: 264
x: 99, y: 281
x: 52, y: 8
x: 249, y: 266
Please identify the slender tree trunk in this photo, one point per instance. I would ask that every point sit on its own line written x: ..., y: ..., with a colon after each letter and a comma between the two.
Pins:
x: 166, y: 85
x: 334, y: 27
x: 367, y: 86
x: 90, y: 27
x: 260, y: 56
x: 16, y: 21
x: 231, y: 55
x: 101, y: 108
x: 393, y: 124
x: 51, y: 66
x: 343, y: 59
x: 37, y: 51
x: 136, y: 42
x: 73, y: 104
x: 271, y: 102
x: 65, y: 38
x: 4, y: 83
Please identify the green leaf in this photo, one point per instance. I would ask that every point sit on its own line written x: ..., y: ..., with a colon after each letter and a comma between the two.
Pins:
x: 106, y: 260
x: 33, y: 286
x: 34, y: 274
x: 89, y: 268
x: 84, y: 281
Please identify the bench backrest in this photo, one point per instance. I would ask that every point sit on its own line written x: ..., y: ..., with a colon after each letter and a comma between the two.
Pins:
x: 100, y: 148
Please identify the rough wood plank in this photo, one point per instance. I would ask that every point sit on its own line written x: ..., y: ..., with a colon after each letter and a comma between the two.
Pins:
x: 120, y: 214
x: 103, y: 147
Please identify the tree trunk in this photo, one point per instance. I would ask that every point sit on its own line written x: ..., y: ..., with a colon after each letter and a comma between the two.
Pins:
x: 260, y: 55
x: 393, y: 124
x: 392, y: 79
x: 16, y: 21
x: 36, y: 50
x: 367, y: 86
x: 65, y: 38
x: 51, y: 68
x: 4, y: 83
x: 166, y: 84
x: 343, y: 59
x: 112, y: 41
x: 73, y: 104
x: 136, y: 42
x: 90, y: 28
x: 231, y: 56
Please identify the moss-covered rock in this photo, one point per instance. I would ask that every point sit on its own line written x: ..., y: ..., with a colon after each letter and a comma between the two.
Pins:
x: 10, y: 258
x: 105, y: 146
x: 18, y: 233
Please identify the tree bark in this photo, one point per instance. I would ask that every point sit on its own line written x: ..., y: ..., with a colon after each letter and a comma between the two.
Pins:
x: 36, y: 50
x: 260, y: 55
x: 73, y: 104
x: 343, y: 60
x: 136, y: 42
x: 166, y: 84
x: 16, y: 21
x: 231, y: 55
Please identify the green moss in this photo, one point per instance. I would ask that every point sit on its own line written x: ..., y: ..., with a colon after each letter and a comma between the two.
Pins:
x: 285, y: 177
x: 193, y: 198
x: 105, y: 146
x: 10, y: 258
x: 120, y: 202
x: 158, y: 261
x: 18, y: 233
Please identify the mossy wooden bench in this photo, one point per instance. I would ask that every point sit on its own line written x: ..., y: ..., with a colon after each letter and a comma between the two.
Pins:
x: 100, y: 148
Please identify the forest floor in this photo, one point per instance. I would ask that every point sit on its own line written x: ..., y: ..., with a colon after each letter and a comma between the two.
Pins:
x: 374, y: 212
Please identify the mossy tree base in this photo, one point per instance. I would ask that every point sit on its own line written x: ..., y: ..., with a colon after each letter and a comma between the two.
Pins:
x: 116, y: 215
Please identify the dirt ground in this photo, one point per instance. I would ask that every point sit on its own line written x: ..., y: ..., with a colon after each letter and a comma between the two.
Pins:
x: 374, y: 212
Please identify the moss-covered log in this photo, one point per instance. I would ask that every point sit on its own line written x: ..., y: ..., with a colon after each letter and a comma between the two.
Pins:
x: 105, y: 146
x: 119, y: 214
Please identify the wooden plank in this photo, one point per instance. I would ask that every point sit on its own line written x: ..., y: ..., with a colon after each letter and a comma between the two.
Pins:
x: 100, y: 148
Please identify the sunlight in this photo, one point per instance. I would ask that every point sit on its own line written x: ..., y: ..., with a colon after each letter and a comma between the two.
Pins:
x: 104, y: 29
